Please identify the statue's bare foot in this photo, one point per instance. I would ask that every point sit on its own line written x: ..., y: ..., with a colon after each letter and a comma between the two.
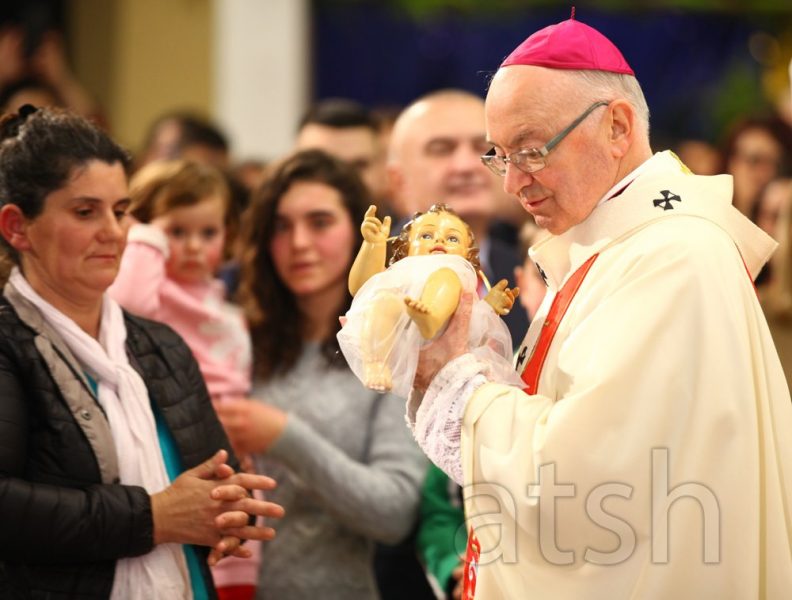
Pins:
x: 377, y: 376
x: 419, y: 313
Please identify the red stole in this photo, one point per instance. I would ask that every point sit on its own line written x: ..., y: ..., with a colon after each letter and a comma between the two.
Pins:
x: 530, y: 375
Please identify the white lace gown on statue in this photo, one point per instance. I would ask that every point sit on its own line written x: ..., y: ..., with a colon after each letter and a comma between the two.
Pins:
x: 488, y: 336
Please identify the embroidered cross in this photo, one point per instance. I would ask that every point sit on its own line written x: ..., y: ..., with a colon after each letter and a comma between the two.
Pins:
x: 665, y: 201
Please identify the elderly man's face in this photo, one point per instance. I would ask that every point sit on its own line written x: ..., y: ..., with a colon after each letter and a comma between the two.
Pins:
x: 437, y: 154
x: 527, y: 106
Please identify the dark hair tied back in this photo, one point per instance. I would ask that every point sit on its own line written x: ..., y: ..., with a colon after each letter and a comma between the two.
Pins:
x: 40, y: 148
x: 12, y: 123
x: 26, y: 110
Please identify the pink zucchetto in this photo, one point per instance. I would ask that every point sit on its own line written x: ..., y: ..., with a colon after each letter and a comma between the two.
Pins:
x: 569, y: 45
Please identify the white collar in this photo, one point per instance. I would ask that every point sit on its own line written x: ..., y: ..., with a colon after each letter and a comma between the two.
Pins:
x: 558, y: 256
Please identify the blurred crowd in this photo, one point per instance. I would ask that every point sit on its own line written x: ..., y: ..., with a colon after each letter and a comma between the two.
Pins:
x: 365, y: 514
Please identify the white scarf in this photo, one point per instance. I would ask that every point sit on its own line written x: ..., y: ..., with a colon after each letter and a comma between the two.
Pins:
x: 162, y: 573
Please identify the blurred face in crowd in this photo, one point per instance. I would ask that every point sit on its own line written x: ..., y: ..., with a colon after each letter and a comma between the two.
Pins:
x: 435, y: 152
x: 358, y: 146
x: 700, y: 157
x: 205, y: 154
x: 775, y: 199
x: 71, y: 252
x: 313, y: 240
x: 755, y: 161
x: 526, y: 108
x: 196, y: 237
x: 164, y: 143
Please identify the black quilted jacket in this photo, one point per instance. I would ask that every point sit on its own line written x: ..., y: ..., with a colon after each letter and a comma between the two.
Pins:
x: 61, y: 527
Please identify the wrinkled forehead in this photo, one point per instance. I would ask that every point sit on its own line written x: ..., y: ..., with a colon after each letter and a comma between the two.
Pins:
x: 522, y: 100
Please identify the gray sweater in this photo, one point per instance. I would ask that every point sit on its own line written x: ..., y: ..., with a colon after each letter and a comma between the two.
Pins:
x: 349, y: 474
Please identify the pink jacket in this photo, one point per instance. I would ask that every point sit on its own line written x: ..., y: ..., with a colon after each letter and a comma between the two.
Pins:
x: 214, y: 329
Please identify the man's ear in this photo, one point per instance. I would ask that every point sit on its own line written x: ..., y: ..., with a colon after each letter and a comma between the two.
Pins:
x: 622, y: 127
x: 13, y: 227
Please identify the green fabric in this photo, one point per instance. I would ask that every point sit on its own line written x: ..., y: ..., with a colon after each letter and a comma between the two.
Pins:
x: 442, y: 534
x: 173, y: 466
x: 93, y: 383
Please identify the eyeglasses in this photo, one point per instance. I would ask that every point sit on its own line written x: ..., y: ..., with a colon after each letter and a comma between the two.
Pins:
x: 531, y: 160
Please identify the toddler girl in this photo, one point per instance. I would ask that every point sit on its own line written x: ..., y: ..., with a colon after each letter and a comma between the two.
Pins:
x: 167, y: 274
x: 395, y: 310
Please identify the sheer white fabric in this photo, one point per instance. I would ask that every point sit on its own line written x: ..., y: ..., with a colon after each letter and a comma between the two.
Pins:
x: 436, y: 418
x: 488, y: 336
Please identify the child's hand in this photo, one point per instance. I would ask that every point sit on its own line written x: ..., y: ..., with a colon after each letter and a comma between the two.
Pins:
x: 375, y: 231
x: 501, y: 298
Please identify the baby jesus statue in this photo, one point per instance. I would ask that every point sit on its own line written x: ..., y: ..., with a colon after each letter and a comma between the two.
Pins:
x: 397, y: 310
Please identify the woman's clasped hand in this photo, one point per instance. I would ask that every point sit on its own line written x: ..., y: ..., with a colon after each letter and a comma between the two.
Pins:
x: 210, y: 505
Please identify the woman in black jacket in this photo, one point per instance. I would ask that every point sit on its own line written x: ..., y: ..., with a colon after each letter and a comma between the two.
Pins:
x: 115, y: 479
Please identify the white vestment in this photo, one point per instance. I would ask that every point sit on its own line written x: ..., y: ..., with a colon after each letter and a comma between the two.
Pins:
x: 655, y: 460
